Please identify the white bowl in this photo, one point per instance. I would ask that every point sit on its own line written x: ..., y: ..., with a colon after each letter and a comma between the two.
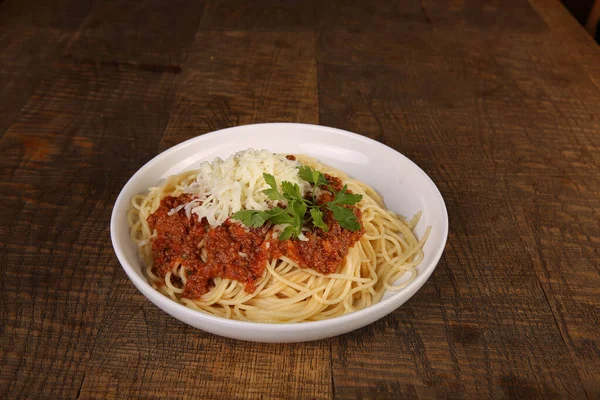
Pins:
x: 405, y: 188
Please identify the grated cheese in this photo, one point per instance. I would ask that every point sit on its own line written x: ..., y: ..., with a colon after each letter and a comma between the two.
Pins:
x: 223, y: 188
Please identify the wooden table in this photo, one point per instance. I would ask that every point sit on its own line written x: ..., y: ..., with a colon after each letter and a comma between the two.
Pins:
x: 499, y: 103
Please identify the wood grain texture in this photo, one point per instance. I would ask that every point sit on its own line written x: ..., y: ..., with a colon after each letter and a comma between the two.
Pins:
x: 495, y: 130
x: 260, y: 15
x: 497, y: 102
x: 32, y: 35
x: 150, y: 35
x: 577, y: 42
x: 275, y: 81
x: 64, y: 159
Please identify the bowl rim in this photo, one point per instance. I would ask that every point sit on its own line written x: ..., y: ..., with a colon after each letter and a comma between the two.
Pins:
x: 161, y: 300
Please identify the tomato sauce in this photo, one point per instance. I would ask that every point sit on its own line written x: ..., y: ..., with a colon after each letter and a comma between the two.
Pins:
x: 323, y: 251
x: 233, y: 251
x: 177, y: 236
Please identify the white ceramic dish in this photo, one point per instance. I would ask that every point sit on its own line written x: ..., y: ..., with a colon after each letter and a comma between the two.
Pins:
x: 406, y: 189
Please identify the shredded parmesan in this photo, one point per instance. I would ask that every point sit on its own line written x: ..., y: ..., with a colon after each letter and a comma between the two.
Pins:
x: 223, y: 188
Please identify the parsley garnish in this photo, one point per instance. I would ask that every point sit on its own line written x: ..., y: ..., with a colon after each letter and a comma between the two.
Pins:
x: 312, y: 176
x: 295, y: 215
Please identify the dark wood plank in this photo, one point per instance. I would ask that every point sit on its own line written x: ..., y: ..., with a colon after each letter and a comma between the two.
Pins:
x: 101, y: 116
x: 566, y: 30
x: 484, y: 245
x: 488, y: 120
x: 173, y: 360
x: 47, y: 16
x: 237, y: 78
x: 510, y: 16
x: 260, y: 15
x: 552, y: 184
x: 460, y: 337
x: 151, y: 35
x: 31, y: 38
x: 395, y: 33
x: 555, y: 198
x: 82, y: 133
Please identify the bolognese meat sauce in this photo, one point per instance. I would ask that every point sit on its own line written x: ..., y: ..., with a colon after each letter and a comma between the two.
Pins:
x: 324, y: 250
x: 233, y: 251
x: 177, y: 236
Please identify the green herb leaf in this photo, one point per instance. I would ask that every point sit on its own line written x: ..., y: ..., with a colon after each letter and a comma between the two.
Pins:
x: 344, y: 216
x: 294, y: 216
x: 291, y: 191
x: 252, y: 218
x: 317, y: 219
x: 279, y: 216
x: 312, y: 176
x: 256, y: 219
x: 308, y: 174
x: 287, y: 233
x: 299, y: 208
x: 273, y: 192
x: 347, y: 198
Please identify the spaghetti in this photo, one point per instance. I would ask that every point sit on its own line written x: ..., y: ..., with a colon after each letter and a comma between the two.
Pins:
x: 287, y: 288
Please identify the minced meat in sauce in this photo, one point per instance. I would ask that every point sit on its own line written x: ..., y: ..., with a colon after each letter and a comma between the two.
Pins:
x: 236, y: 252
x: 177, y: 236
x: 323, y: 251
